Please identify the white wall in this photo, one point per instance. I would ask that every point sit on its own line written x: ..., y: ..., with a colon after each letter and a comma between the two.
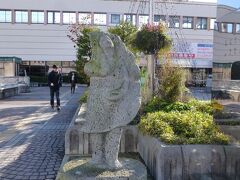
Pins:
x: 36, y: 42
x: 50, y: 42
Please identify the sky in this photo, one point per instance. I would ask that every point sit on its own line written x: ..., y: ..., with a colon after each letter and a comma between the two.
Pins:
x: 233, y: 3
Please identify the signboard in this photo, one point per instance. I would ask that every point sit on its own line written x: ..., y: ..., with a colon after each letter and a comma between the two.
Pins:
x: 204, y: 51
x: 192, y: 51
x: 182, y: 55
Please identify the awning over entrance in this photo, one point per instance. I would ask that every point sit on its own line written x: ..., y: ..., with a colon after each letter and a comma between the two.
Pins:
x: 193, y: 63
x: 11, y: 59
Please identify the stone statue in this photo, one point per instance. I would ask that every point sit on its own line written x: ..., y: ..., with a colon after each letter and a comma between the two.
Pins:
x: 114, y: 96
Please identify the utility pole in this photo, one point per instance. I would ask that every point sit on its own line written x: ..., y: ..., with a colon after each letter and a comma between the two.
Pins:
x: 150, y: 12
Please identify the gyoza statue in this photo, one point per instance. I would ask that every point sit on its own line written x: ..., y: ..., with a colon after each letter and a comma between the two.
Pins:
x: 114, y: 96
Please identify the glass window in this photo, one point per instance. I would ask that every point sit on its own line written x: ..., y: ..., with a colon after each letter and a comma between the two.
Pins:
x: 65, y: 63
x: 227, y: 27
x: 143, y: 19
x: 130, y: 18
x: 21, y: 16
x: 85, y: 18
x: 69, y: 17
x: 1, y: 69
x: 213, y: 23
x: 115, y: 18
x: 158, y: 18
x: 53, y: 17
x: 237, y: 28
x: 187, y: 22
x: 5, y: 16
x: 216, y: 26
x: 174, y: 21
x: 38, y: 17
x: 201, y: 23
x: 100, y: 19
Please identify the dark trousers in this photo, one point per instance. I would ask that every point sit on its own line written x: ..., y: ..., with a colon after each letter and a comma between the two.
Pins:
x: 56, y: 92
x: 73, y: 85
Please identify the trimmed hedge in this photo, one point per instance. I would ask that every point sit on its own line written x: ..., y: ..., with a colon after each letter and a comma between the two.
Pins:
x: 189, y: 127
x: 157, y: 104
x: 182, y: 123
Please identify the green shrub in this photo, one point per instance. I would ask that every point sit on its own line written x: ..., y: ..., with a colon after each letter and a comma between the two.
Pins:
x: 125, y: 30
x: 158, y: 104
x: 83, y: 98
x: 177, y: 106
x: 188, y: 127
x: 172, y: 86
x: 202, y: 106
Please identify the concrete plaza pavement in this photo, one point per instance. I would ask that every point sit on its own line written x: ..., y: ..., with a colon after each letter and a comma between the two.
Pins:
x: 32, y: 134
x: 200, y: 93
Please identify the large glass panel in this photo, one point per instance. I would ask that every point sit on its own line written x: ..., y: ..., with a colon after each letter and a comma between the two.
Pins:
x: 85, y: 18
x: 174, y: 21
x: 130, y: 18
x: 69, y: 18
x: 5, y: 16
x: 212, y: 23
x: 53, y: 17
x: 158, y: 18
x: 237, y: 28
x: 100, y: 19
x: 227, y: 27
x: 21, y: 16
x: 143, y: 19
x: 38, y: 17
x: 201, y: 23
x: 115, y: 18
x: 187, y: 22
x: 216, y: 26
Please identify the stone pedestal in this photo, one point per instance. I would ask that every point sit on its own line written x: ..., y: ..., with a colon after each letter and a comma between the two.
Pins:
x: 79, y: 168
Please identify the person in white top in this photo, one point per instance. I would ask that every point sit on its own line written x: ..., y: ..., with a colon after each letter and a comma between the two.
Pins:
x: 73, y: 81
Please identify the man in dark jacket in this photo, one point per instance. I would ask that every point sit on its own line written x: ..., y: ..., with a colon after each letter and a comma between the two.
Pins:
x: 54, y: 82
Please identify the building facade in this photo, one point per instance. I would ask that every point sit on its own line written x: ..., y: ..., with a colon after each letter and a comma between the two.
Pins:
x: 37, y: 32
x: 226, y: 56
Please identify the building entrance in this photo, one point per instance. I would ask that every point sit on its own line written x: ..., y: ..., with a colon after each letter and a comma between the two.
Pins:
x: 235, y: 71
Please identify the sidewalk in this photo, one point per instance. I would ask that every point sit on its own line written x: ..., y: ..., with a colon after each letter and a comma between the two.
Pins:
x: 32, y: 134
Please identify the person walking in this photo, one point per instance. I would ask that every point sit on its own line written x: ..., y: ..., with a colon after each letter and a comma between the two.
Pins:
x: 73, y: 81
x: 55, y: 82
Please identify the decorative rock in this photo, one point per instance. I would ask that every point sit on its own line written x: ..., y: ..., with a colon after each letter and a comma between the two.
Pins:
x: 79, y: 168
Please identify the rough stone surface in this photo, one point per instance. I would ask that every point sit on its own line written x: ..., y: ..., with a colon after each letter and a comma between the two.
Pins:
x: 79, y: 168
x: 189, y: 162
x: 114, y: 96
x: 8, y: 91
x: 234, y: 131
x: 80, y: 143
x: 205, y: 161
x: 114, y: 92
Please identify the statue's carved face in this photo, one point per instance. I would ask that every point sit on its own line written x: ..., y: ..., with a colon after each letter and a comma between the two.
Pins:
x: 102, y: 61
